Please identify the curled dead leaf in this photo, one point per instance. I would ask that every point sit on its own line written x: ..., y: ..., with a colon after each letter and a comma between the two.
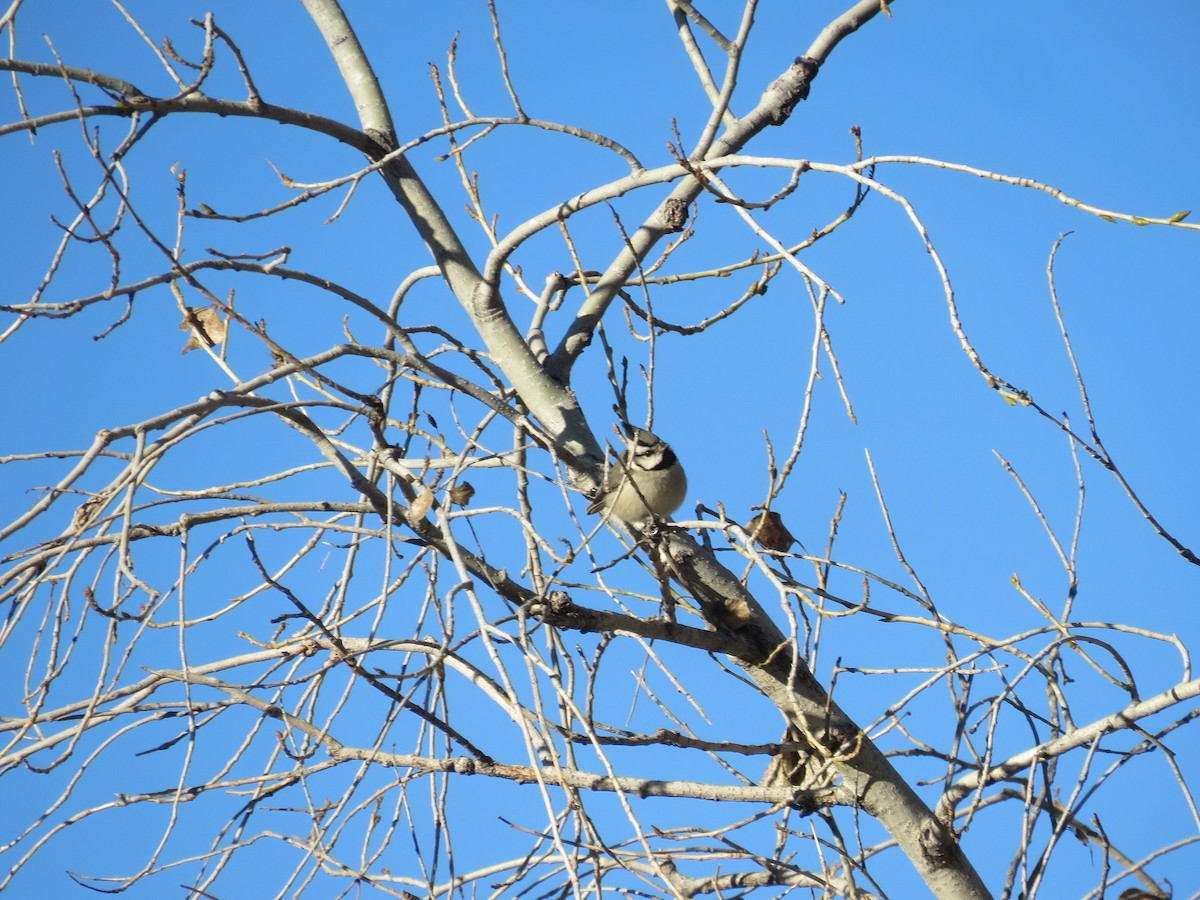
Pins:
x: 421, y: 505
x: 206, y: 325
x: 461, y: 493
x: 768, y: 530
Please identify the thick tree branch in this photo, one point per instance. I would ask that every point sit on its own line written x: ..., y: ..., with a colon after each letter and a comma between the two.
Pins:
x: 547, y: 397
x: 773, y: 108
x: 1077, y: 737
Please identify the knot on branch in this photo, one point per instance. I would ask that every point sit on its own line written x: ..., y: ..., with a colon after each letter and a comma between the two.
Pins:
x: 788, y: 89
x: 463, y: 765
x: 486, y: 306
x: 559, y: 602
x: 673, y: 215
x: 557, y: 608
x: 385, y: 140
x: 936, y: 844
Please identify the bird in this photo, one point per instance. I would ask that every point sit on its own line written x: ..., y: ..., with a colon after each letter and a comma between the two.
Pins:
x: 648, y: 480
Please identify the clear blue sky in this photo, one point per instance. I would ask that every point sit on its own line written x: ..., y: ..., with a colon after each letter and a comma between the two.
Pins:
x: 1099, y: 99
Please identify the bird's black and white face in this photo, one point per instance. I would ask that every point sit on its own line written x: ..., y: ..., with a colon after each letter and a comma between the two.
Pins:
x: 648, y: 481
x: 649, y: 453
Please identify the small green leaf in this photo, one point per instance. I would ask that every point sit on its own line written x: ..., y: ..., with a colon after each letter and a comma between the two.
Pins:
x: 1138, y: 220
x: 1107, y: 218
x: 1180, y: 216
